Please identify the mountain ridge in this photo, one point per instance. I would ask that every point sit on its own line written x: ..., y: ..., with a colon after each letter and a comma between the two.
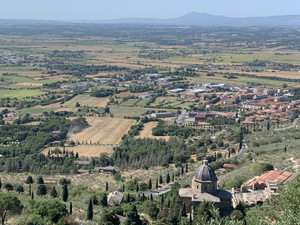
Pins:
x: 190, y: 19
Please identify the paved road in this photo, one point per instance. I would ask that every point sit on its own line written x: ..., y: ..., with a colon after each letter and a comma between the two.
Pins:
x: 160, y: 191
x: 293, y: 125
x: 182, y: 115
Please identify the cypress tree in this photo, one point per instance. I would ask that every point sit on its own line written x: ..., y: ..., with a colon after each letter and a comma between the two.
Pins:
x: 150, y: 184
x: 173, y: 177
x: 151, y: 197
x: 143, y: 197
x: 32, y: 195
x: 123, y: 187
x: 65, y: 193
x: 103, y: 200
x: 168, y: 178
x: 106, y: 186
x: 128, y: 198
x: 71, y: 208
x: 137, y: 187
x: 156, y: 185
x: 186, y: 167
x: 90, y: 212
x: 0, y: 184
x: 160, y: 179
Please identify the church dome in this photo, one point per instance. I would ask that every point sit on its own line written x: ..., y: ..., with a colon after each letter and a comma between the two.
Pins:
x: 205, y: 172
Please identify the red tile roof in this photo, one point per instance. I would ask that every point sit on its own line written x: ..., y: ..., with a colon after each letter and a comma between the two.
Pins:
x: 272, y: 175
x: 229, y: 165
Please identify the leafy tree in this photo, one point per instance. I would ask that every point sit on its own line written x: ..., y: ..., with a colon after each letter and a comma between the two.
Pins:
x: 9, y: 205
x: 51, y: 209
x: 176, y: 210
x: 29, y: 180
x: 259, y: 168
x: 53, y: 192
x: 152, y: 210
x: 143, y: 186
x: 9, y: 187
x: 20, y: 189
x: 41, y: 190
x: 132, y: 217
x: 237, y: 215
x: 204, y: 213
x: 65, y: 193
x: 90, y: 212
x: 109, y: 218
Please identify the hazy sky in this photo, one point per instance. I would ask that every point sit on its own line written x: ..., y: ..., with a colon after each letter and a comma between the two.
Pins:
x: 112, y: 9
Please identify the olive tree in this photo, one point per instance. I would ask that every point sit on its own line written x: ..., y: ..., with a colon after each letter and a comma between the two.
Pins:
x: 9, y: 205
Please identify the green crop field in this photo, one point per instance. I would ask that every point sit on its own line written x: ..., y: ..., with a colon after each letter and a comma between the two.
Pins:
x: 86, y: 100
x: 20, y: 93
x: 36, y: 110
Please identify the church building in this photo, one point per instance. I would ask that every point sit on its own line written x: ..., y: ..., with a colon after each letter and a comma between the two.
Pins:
x: 205, y: 188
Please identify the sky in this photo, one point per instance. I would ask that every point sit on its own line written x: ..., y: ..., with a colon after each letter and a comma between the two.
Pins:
x: 115, y: 9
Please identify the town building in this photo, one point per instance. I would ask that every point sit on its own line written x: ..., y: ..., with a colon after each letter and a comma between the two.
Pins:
x: 115, y: 198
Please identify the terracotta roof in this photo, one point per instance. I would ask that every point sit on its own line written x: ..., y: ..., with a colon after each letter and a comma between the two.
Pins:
x: 272, y: 175
x: 229, y: 165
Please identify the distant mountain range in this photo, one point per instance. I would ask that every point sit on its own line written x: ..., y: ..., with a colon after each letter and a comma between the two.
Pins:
x: 191, y: 19
x: 204, y: 19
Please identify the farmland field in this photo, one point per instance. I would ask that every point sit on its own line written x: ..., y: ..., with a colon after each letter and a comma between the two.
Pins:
x: 103, y: 130
x: 20, y: 93
x: 86, y: 100
x: 147, y: 132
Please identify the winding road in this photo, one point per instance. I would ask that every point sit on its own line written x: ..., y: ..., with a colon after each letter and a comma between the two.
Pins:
x: 285, y: 128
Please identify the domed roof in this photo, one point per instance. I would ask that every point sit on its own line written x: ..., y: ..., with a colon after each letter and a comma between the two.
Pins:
x: 205, y: 172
